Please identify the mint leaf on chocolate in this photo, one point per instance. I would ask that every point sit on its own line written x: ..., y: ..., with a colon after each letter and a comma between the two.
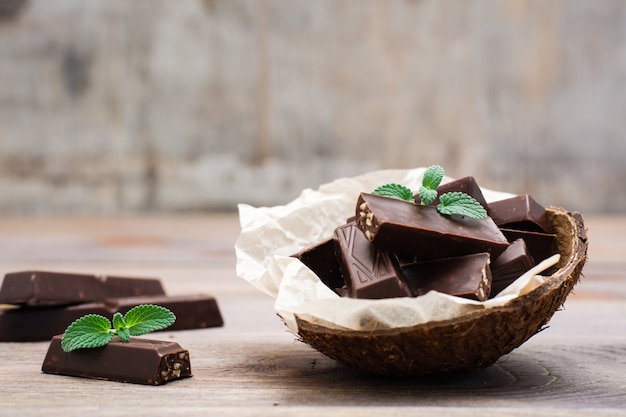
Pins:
x: 430, y: 181
x: 461, y: 204
x: 94, y: 330
x: 427, y: 196
x: 433, y: 177
x: 119, y: 324
x: 90, y: 331
x: 394, y: 191
x: 148, y: 318
x: 449, y: 203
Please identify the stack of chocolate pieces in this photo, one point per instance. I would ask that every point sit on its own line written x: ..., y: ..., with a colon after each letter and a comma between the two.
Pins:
x: 41, y: 304
x: 395, y: 248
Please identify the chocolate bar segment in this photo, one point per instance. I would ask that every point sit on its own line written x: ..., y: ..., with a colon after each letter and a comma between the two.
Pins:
x: 50, y: 288
x: 407, y: 228
x: 467, y: 185
x: 139, y: 361
x: 367, y: 271
x: 322, y: 261
x: 466, y: 276
x: 195, y: 311
x: 31, y: 324
x: 520, y: 213
x: 510, y: 265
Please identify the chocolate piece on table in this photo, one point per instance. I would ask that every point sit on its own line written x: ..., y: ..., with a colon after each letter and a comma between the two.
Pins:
x: 466, y: 276
x: 140, y: 361
x: 32, y: 324
x: 510, y: 265
x: 49, y: 288
x: 404, y: 227
x: 521, y: 212
x: 322, y: 261
x: 540, y: 245
x: 467, y: 185
x: 367, y: 271
x: 195, y: 311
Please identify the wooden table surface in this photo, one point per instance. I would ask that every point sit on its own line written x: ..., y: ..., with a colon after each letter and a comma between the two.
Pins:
x: 253, y: 366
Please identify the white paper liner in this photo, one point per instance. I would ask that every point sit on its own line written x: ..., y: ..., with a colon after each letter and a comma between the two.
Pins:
x: 269, y: 235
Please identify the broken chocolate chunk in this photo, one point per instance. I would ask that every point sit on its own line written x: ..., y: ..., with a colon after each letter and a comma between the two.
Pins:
x: 50, y: 288
x: 139, y: 361
x: 407, y: 228
x: 322, y: 261
x: 31, y: 324
x: 521, y: 212
x: 367, y: 271
x: 466, y: 276
x: 540, y: 245
x: 510, y: 265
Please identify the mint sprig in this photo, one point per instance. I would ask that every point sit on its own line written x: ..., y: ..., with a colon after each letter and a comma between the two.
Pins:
x: 394, y: 191
x: 91, y: 330
x: 94, y: 330
x: 449, y: 203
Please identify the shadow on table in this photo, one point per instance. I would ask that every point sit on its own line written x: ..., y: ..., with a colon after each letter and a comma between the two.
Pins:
x: 528, y: 377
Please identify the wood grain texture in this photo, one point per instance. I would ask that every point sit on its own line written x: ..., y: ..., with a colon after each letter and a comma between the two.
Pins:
x: 253, y: 366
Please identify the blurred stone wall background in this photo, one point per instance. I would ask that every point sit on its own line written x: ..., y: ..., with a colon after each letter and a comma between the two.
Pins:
x: 114, y: 106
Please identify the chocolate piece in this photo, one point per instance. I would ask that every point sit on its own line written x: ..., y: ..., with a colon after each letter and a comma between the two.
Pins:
x: 367, y: 271
x: 510, y: 265
x: 467, y: 185
x: 521, y: 213
x: 466, y: 276
x: 49, y: 288
x: 403, y: 227
x: 140, y: 361
x: 196, y: 311
x: 31, y: 324
x: 322, y: 261
x: 540, y: 245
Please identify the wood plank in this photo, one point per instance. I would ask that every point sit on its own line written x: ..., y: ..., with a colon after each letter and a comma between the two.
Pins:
x: 253, y: 366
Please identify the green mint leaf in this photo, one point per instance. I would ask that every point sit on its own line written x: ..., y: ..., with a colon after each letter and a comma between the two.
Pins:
x: 432, y: 177
x: 462, y: 204
x: 148, y: 318
x: 119, y: 324
x: 427, y: 195
x: 89, y: 331
x: 394, y: 191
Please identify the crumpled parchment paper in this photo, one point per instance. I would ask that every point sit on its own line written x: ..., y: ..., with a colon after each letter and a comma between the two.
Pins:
x: 270, y: 235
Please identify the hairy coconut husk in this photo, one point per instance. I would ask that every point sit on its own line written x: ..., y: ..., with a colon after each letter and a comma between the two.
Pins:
x: 472, y: 341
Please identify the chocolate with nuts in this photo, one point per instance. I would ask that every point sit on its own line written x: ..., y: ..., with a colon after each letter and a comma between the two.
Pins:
x: 466, y: 276
x: 404, y: 227
x: 140, y: 361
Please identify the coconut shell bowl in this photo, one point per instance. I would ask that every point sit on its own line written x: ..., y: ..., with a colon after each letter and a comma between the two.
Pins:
x: 470, y: 342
